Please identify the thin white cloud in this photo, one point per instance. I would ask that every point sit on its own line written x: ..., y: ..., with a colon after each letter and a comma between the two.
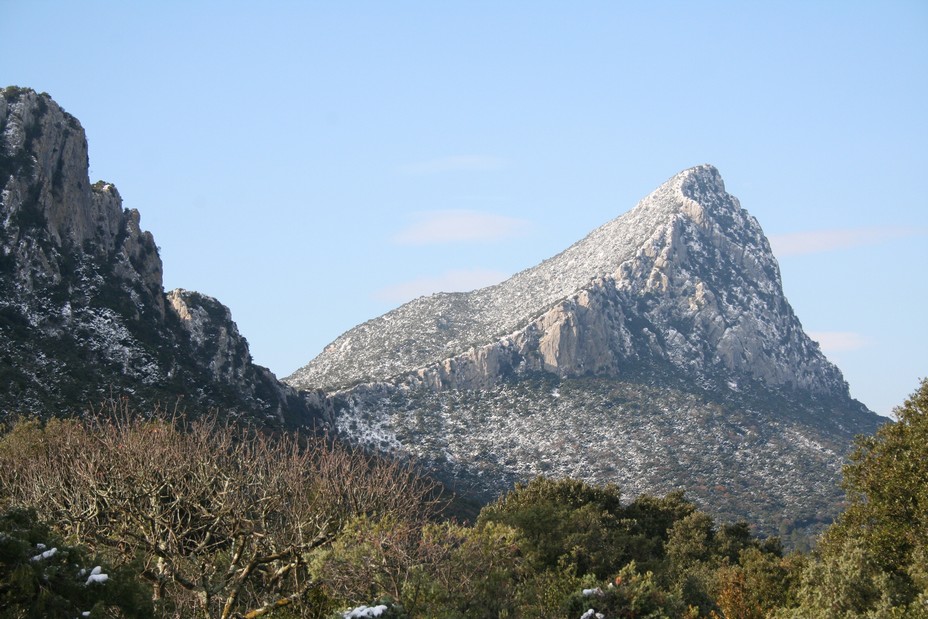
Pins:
x: 461, y: 280
x: 457, y: 163
x: 459, y: 225
x: 799, y: 243
x: 839, y: 341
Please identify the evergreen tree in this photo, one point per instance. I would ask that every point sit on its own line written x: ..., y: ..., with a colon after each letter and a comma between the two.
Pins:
x: 42, y: 577
x: 872, y: 561
x: 887, y: 488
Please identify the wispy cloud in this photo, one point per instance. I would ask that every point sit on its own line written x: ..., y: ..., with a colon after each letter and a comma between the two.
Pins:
x: 457, y: 163
x: 798, y: 243
x: 839, y: 341
x: 459, y: 225
x: 461, y: 280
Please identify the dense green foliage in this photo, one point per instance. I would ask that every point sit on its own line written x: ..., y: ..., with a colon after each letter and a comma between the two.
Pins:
x: 874, y: 561
x: 42, y: 577
x: 210, y: 521
x: 887, y: 493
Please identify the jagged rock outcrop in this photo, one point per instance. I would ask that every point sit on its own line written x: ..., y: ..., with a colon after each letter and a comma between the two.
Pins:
x: 83, y: 313
x: 212, y: 333
x: 223, y: 352
x: 658, y: 352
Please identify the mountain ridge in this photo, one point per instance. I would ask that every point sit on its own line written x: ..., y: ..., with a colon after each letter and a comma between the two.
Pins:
x: 84, y: 317
x: 636, y: 253
x: 659, y: 353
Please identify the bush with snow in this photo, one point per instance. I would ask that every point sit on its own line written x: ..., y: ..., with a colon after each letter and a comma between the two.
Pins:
x: 364, y: 612
x: 97, y: 576
x: 40, y: 576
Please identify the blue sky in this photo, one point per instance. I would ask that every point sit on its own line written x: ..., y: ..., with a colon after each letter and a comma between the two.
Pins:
x: 315, y: 164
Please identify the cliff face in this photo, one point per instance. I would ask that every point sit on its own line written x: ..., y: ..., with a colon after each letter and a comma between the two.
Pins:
x: 83, y: 312
x: 51, y: 212
x: 659, y: 352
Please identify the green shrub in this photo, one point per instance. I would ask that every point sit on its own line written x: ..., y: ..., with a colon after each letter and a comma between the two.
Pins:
x: 41, y: 576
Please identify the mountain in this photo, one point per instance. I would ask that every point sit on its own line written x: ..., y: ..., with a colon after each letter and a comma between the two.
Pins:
x: 83, y: 313
x: 658, y: 352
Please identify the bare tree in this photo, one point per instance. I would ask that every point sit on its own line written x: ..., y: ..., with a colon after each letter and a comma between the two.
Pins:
x: 220, y: 519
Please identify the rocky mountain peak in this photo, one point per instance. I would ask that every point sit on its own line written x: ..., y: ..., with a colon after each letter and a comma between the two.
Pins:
x: 83, y: 312
x: 658, y: 352
x: 692, y: 192
x: 51, y: 211
x: 686, y: 277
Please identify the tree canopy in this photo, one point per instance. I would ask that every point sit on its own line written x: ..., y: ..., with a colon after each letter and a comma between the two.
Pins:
x: 212, y: 520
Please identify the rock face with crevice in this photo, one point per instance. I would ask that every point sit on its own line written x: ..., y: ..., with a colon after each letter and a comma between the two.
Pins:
x: 83, y: 313
x: 674, y: 358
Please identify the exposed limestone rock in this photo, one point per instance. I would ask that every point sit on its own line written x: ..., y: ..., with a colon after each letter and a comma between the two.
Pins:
x: 46, y: 193
x: 213, y: 334
x: 687, y: 276
x: 83, y: 314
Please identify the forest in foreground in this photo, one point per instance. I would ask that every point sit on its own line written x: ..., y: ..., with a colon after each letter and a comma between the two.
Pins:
x: 122, y: 514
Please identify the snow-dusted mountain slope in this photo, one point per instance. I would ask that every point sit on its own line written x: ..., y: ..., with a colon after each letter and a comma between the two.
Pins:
x: 658, y: 352
x: 687, y: 276
x: 83, y: 313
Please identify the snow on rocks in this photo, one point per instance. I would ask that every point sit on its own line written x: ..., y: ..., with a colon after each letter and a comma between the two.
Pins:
x: 687, y: 259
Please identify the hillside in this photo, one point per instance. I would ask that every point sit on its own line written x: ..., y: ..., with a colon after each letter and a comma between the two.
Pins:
x: 84, y: 316
x: 658, y: 352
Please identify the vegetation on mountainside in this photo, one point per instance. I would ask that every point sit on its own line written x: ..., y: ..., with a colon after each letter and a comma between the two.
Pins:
x: 873, y: 562
x: 213, y: 521
x: 740, y: 454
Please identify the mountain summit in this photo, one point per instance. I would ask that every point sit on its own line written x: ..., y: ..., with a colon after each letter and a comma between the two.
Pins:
x: 659, y: 352
x: 687, y: 276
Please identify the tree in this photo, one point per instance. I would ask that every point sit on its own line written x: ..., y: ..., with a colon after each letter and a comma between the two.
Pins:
x: 692, y: 559
x: 629, y: 595
x: 219, y: 520
x: 430, y: 569
x: 872, y: 561
x: 759, y: 583
x: 566, y: 520
x: 887, y: 488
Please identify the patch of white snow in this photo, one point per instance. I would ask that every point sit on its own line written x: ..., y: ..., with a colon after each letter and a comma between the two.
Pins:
x: 97, y: 575
x: 363, y: 612
x: 45, y: 555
